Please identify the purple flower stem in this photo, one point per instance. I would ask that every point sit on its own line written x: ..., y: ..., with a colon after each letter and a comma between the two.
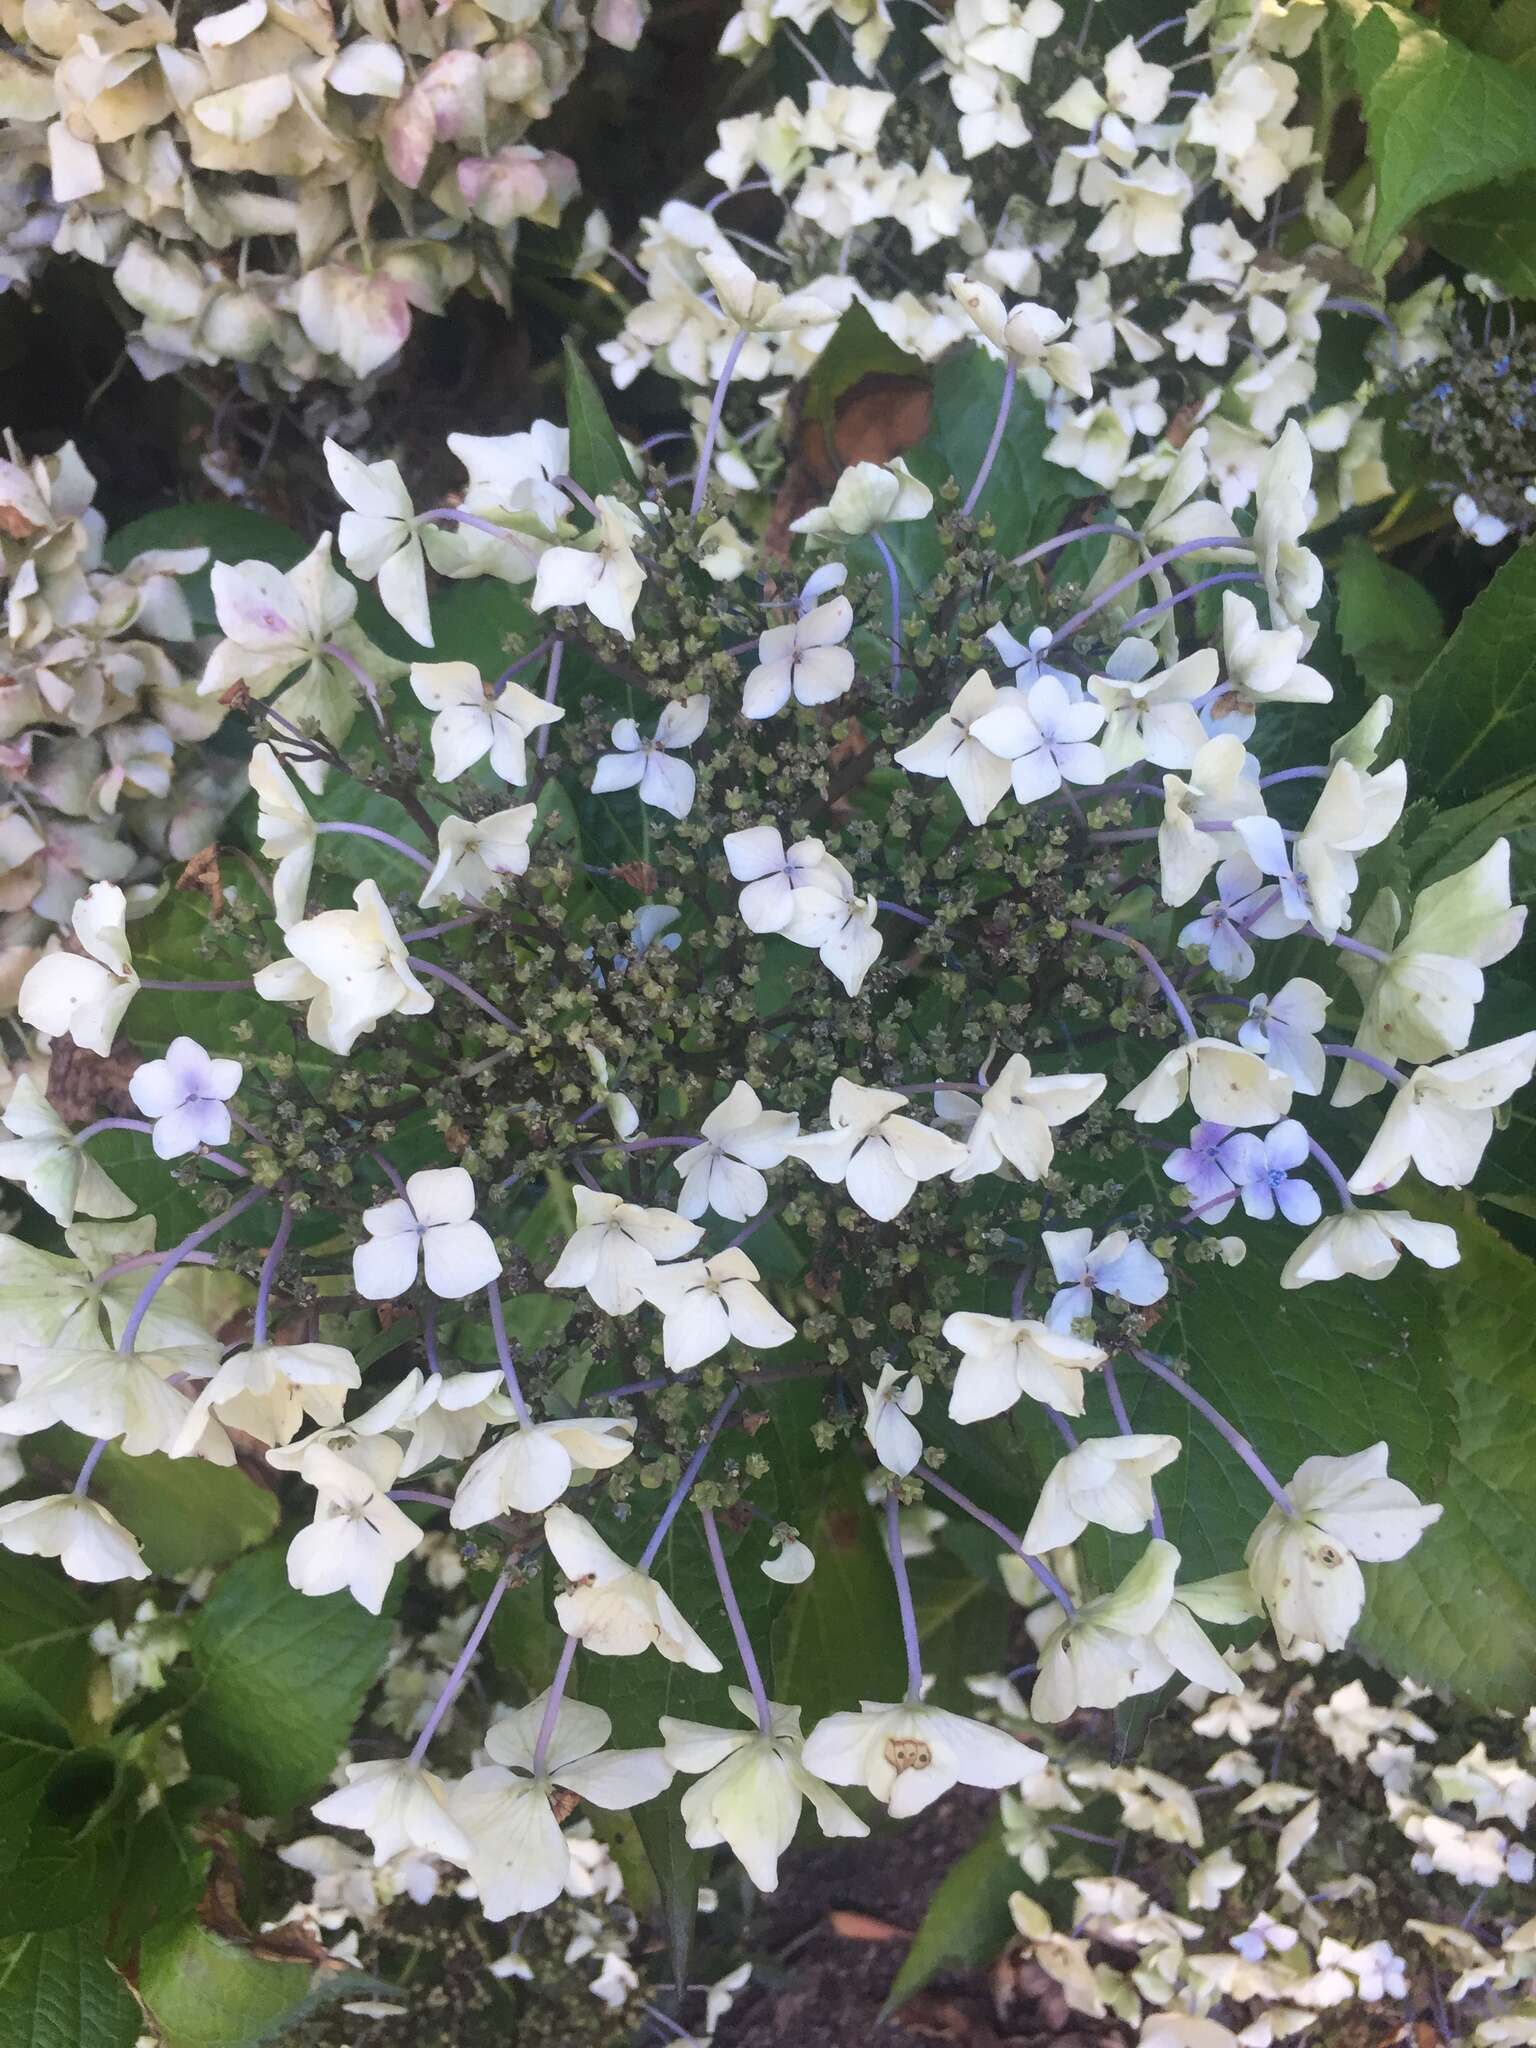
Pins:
x: 450, y: 515
x: 733, y: 1613
x: 1331, y: 1167
x: 1123, y: 1424
x: 459, y: 1673
x: 463, y: 988
x: 173, y: 1258
x: 92, y: 1460
x: 1065, y: 540
x: 1368, y: 1059
x: 1346, y: 944
x: 551, y: 686
x: 712, y: 425
x: 136, y: 1261
x: 1134, y: 576
x: 1171, y: 995
x: 1153, y: 611
x: 523, y: 661
x: 429, y: 1339
x: 269, y: 1266
x: 436, y: 931
x: 1004, y: 406
x: 384, y: 839
x: 903, y: 1580
x: 1315, y: 774
x: 642, y: 1144
x: 361, y: 677
x: 557, y: 1687
x: 572, y: 489
x: 1042, y: 1571
x: 1067, y: 1433
x: 425, y: 1500
x: 1226, y: 1430
x: 504, y: 1355
x: 749, y: 1229
x: 901, y: 910
x: 111, y: 1123
x: 684, y: 1485
x: 893, y: 578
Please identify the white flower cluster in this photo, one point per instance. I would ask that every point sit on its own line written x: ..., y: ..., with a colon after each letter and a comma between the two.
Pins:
x: 1277, y: 1940
x: 101, y: 729
x: 158, y: 1378
x: 275, y: 183
x: 1123, y: 166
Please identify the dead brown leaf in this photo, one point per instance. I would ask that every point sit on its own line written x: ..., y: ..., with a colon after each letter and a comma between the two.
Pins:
x: 83, y: 1086
x: 878, y: 416
x: 639, y: 874
x: 202, y: 874
x: 865, y: 1927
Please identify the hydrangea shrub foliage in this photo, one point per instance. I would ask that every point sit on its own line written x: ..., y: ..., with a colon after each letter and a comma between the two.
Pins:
x: 705, y: 1066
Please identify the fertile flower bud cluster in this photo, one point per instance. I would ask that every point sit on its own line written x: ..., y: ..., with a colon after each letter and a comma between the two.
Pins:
x: 377, y: 162
x: 762, y: 1022
x: 99, y: 717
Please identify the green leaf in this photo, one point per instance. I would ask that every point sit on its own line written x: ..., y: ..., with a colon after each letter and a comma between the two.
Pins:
x: 1440, y: 119
x: 839, y: 1637
x: 967, y: 1922
x: 283, y: 1678
x: 58, y: 1990
x: 185, y: 1512
x: 1492, y: 231
x: 1454, y: 839
x: 1026, y: 498
x: 1388, y: 623
x: 231, y: 533
x: 206, y: 1992
x: 1328, y: 1368
x: 598, y: 461
x: 1459, y: 1611
x: 676, y: 1867
x: 1472, y: 718
x: 70, y: 1869
x: 45, y: 1630
x: 33, y: 1741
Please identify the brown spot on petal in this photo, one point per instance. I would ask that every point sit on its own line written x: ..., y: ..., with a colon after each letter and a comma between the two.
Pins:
x: 906, y: 1753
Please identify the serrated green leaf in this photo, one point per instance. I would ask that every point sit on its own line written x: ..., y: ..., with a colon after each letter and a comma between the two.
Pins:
x: 45, y: 1630
x: 1453, y: 839
x: 206, y: 1992
x: 1459, y: 1612
x: 1472, y: 718
x: 1492, y: 231
x: 598, y: 461
x: 185, y: 1513
x: 1440, y: 118
x: 33, y: 1741
x: 272, y: 1659
x: 967, y: 1922
x: 58, y: 1990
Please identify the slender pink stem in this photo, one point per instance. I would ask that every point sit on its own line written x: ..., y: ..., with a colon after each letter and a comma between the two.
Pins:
x: 1134, y: 576
x: 504, y: 1355
x: 904, y: 1605
x: 269, y: 1266
x: 1123, y: 1424
x: 551, y: 686
x: 469, y: 994
x: 557, y: 1687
